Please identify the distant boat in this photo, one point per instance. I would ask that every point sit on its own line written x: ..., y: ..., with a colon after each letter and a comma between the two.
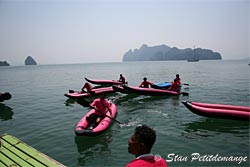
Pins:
x: 194, y: 59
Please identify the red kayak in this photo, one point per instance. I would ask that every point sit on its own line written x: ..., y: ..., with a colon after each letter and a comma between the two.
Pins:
x: 84, y: 129
x: 94, y: 92
x: 219, y: 110
x: 103, y: 82
x: 149, y: 91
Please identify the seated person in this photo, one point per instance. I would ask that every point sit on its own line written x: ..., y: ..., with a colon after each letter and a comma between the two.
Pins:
x: 88, y: 88
x: 122, y: 79
x: 101, y: 106
x: 145, y: 83
x: 178, y: 79
x: 175, y: 86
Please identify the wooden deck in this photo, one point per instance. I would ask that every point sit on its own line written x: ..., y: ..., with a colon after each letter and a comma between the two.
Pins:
x: 14, y: 152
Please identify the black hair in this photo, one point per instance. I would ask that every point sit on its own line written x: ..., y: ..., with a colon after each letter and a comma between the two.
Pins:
x: 146, y: 135
x: 103, y: 96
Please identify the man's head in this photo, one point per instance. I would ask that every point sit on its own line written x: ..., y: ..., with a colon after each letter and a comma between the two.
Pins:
x: 103, y: 96
x: 142, y: 140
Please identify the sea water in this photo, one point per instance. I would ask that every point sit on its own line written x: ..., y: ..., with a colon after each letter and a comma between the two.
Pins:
x: 40, y: 115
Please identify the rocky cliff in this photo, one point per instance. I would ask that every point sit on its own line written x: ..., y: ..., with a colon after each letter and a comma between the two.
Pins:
x: 164, y: 53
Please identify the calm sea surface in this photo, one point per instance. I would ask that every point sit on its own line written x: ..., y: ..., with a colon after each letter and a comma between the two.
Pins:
x: 40, y: 115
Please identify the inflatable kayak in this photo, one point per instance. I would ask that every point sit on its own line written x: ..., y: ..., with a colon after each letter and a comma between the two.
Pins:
x: 5, y: 96
x: 150, y: 91
x: 94, y: 92
x: 103, y: 82
x: 219, y: 110
x: 163, y: 85
x: 84, y: 129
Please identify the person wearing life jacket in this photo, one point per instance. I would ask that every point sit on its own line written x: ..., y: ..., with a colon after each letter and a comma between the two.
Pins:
x: 122, y: 79
x: 140, y: 144
x: 178, y: 79
x: 86, y: 86
x: 101, y: 106
x: 145, y: 83
x: 175, y: 86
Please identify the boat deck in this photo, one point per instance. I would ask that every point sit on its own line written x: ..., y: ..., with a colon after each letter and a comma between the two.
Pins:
x: 14, y: 152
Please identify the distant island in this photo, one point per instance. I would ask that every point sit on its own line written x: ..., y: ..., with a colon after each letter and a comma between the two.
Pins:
x: 4, y: 63
x: 165, y: 53
x: 30, y: 61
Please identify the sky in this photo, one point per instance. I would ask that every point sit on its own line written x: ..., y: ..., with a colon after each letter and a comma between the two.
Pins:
x: 93, y: 31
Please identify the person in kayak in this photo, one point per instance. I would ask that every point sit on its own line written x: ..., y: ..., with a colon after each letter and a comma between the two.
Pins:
x: 122, y: 79
x: 140, y: 144
x: 177, y: 77
x: 145, y: 83
x: 101, y: 106
x: 175, y: 86
x: 88, y: 88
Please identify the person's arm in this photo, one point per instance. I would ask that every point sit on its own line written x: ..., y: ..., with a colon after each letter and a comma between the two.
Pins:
x: 93, y: 104
x: 141, y: 84
x: 90, y: 87
x: 170, y: 88
x: 83, y: 88
x: 108, y: 106
x: 110, y: 111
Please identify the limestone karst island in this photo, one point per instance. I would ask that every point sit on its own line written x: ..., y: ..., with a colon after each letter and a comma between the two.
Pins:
x: 165, y: 53
x: 4, y: 63
x: 30, y: 61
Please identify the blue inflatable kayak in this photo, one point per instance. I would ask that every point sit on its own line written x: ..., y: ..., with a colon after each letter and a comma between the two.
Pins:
x: 163, y: 85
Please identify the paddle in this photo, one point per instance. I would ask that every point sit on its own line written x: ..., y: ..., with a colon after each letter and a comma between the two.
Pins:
x: 85, y: 103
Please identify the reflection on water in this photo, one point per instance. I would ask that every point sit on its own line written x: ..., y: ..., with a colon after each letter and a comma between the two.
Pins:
x: 212, y: 126
x: 132, y: 99
x: 6, y: 112
x: 89, y: 147
x: 69, y: 102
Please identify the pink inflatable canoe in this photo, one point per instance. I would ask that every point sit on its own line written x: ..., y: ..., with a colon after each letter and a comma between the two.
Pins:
x: 219, y: 110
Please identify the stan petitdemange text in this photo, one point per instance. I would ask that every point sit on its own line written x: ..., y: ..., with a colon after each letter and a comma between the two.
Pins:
x: 205, y: 158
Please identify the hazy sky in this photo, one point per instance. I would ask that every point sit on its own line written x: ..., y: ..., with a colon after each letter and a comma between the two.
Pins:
x: 83, y: 31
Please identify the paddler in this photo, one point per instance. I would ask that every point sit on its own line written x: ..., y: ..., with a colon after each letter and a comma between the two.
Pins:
x: 88, y: 88
x: 101, y: 106
x: 122, y: 79
x: 177, y: 77
x: 175, y: 86
x: 145, y: 83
